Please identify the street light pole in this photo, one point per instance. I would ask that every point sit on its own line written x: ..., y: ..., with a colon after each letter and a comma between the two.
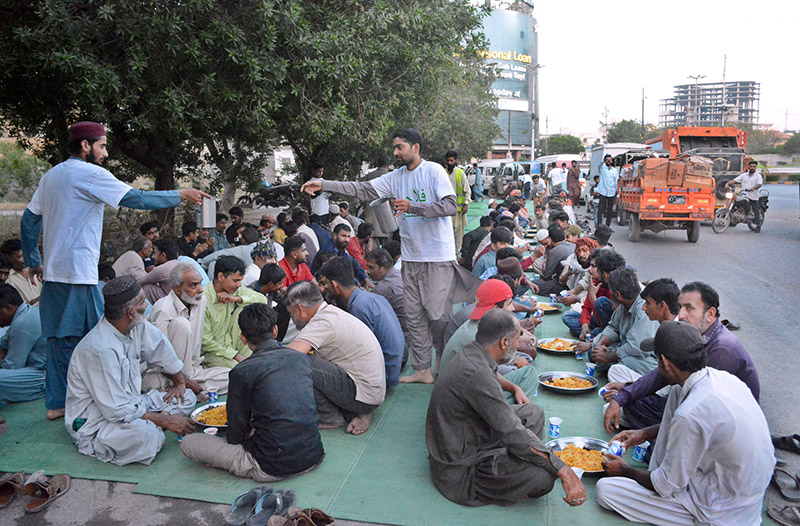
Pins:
x: 696, y: 97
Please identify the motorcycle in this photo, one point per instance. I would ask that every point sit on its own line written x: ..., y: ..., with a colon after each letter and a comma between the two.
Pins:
x: 733, y: 213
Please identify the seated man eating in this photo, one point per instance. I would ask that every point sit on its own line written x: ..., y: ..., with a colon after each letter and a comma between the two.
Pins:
x: 617, y: 349
x: 107, y: 415
x: 181, y: 317
x: 713, y: 459
x: 338, y: 287
x: 23, y: 349
x: 481, y: 449
x: 272, y: 420
x: 347, y: 362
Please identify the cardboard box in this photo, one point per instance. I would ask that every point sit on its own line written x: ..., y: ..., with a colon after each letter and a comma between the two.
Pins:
x: 654, y: 168
x: 695, y: 181
x: 675, y: 173
x: 698, y: 166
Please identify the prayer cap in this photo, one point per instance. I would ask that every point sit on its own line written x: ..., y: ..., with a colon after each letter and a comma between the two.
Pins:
x: 86, y: 130
x: 542, y: 234
x: 573, y: 230
x: 490, y: 292
x: 677, y: 340
x: 333, y: 209
x: 120, y: 291
x: 264, y: 249
x: 509, y: 266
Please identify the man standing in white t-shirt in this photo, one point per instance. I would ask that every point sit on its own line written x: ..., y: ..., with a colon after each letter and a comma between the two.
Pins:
x: 320, y: 205
x: 69, y: 205
x: 424, y: 202
x: 558, y: 178
x: 751, y: 181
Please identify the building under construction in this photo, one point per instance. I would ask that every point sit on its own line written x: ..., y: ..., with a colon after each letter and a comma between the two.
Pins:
x: 711, y: 104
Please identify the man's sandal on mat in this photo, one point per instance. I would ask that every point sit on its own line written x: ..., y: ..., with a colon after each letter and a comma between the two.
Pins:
x: 784, y: 515
x: 10, y: 485
x: 787, y: 483
x: 787, y: 443
x: 44, y: 490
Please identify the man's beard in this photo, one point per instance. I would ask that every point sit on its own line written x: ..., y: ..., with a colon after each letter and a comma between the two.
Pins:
x: 299, y: 324
x: 584, y: 263
x: 341, y: 246
x: 188, y: 300
x: 92, y: 158
x: 508, y: 356
x: 334, y: 300
x: 137, y: 320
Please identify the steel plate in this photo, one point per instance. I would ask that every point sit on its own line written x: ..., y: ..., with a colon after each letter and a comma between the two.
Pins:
x: 584, y: 442
x: 202, y: 408
x: 565, y: 374
x: 552, y: 351
x: 558, y: 307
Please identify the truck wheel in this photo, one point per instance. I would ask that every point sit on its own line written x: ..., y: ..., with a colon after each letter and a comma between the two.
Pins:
x: 721, y: 221
x: 492, y: 192
x: 634, y: 227
x: 622, y: 216
x: 693, y: 231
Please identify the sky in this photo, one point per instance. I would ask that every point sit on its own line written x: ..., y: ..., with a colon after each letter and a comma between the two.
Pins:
x: 601, y: 54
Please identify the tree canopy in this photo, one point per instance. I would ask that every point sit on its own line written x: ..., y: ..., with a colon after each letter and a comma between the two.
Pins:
x: 187, y: 85
x: 557, y: 144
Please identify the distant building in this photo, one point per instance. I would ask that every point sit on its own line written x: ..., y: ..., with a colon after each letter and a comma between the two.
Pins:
x: 511, y: 30
x: 711, y: 104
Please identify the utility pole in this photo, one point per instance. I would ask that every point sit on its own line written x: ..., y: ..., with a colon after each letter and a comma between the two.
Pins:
x: 696, y: 97
x: 605, y: 123
x: 641, y: 133
x: 546, y: 133
x: 724, y: 99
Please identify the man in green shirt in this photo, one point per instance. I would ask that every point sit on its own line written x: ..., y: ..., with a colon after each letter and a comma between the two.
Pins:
x: 222, y: 342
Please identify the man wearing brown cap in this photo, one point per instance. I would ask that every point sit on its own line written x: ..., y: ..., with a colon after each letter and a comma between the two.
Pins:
x: 107, y: 415
x: 713, y: 459
x: 69, y: 206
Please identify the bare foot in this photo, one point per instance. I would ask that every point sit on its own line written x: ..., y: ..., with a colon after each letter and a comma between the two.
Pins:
x: 53, y: 414
x: 359, y: 424
x: 419, y: 377
x: 329, y: 426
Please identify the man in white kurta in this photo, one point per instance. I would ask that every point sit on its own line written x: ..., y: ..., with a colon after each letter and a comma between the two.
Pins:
x: 181, y: 317
x: 107, y: 415
x: 713, y: 459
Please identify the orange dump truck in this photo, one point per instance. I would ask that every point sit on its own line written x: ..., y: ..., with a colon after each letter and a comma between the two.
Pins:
x: 666, y: 194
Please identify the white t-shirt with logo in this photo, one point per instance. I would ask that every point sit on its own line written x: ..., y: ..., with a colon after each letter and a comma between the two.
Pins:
x: 70, y: 199
x: 423, y: 239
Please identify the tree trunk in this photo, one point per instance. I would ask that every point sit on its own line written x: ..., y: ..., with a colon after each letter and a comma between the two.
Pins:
x: 165, y: 180
x: 228, y: 197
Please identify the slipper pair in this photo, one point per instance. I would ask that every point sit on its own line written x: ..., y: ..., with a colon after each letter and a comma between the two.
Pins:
x: 787, y: 483
x: 42, y: 489
x: 255, y: 507
x: 302, y: 517
x: 787, y: 443
x: 784, y: 515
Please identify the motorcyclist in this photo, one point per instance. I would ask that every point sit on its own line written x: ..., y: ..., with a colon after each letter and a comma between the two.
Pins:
x: 751, y: 181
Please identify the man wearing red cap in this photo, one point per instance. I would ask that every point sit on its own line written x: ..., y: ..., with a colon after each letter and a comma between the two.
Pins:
x: 69, y: 205
x: 515, y: 377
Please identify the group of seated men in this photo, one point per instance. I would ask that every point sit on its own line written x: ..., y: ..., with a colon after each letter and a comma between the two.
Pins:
x: 687, y: 386
x: 678, y: 378
x: 142, y: 368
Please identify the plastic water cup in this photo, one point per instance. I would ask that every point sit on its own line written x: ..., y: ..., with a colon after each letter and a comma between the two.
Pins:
x: 590, y: 367
x: 640, y: 451
x: 602, y: 392
x: 564, y: 293
x: 211, y: 431
x: 213, y: 395
x: 616, y: 448
x: 578, y: 472
x: 536, y: 276
x: 180, y: 438
x: 553, y: 299
x: 555, y: 427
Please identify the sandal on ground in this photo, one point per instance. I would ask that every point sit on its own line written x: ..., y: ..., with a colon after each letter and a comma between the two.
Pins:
x: 10, y: 485
x: 318, y: 517
x: 731, y: 325
x: 787, y: 483
x: 44, y: 490
x: 273, y: 504
x: 787, y: 443
x: 784, y: 515
x: 244, y: 506
x: 302, y: 517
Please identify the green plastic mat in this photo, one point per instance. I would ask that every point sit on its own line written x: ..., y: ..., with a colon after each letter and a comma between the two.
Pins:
x: 381, y: 476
